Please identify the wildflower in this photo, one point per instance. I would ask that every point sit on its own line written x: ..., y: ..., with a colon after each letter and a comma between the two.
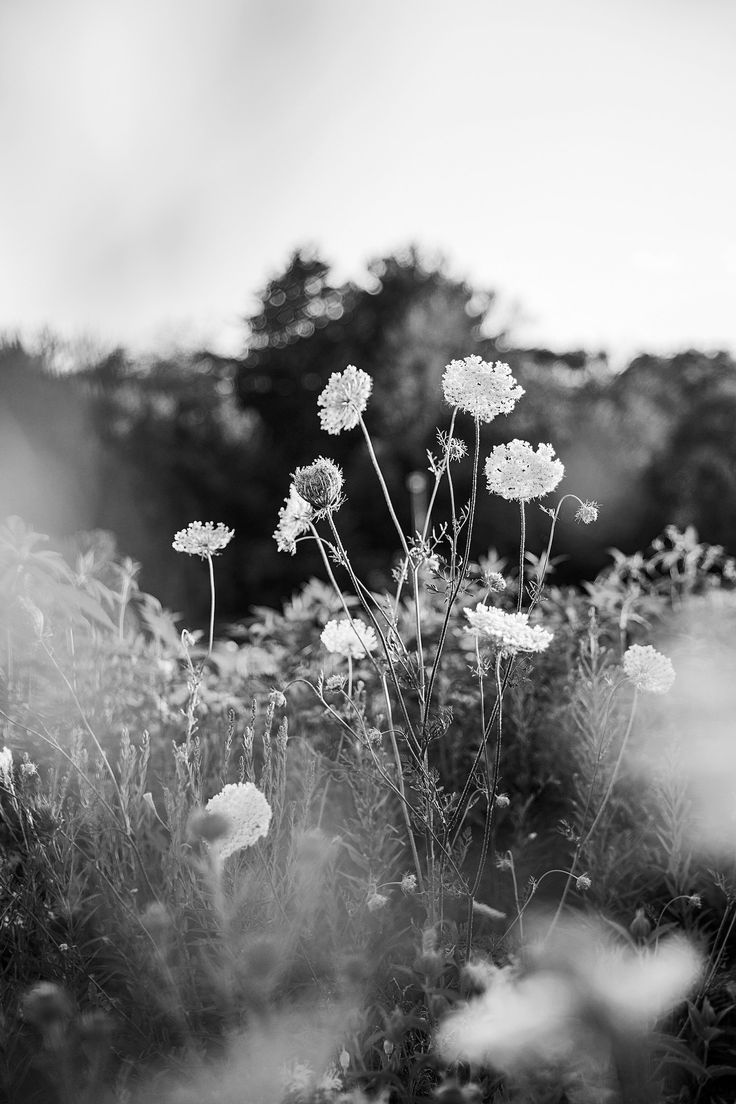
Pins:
x: 479, y: 388
x: 388, y: 1047
x: 248, y: 815
x: 28, y: 769
x: 203, y: 539
x: 344, y: 1060
x: 6, y: 767
x: 695, y: 900
x: 502, y: 801
x: 344, y: 399
x: 46, y: 1006
x: 294, y: 520
x: 587, y: 512
x: 515, y: 471
x: 320, y: 484
x: 495, y: 581
x: 409, y: 884
x: 583, y: 883
x: 277, y: 699
x: 511, y: 631
x: 649, y: 670
x: 350, y: 638
x: 376, y: 901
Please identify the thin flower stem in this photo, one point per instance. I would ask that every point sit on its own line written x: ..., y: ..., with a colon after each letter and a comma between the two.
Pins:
x: 400, y: 781
x: 212, y: 603
x: 384, y: 488
x: 546, y: 561
x: 522, y: 550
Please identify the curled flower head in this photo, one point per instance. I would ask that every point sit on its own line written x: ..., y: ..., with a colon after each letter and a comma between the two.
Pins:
x: 516, y: 471
x: 494, y: 580
x: 583, y: 883
x: 409, y: 884
x: 649, y: 670
x: 511, y: 631
x: 202, y: 539
x: 247, y: 813
x: 480, y: 388
x: 587, y: 512
x: 294, y: 520
x: 344, y: 399
x: 350, y: 638
x: 320, y: 484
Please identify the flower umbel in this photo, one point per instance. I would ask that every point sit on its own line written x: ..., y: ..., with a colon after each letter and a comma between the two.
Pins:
x: 480, y: 388
x: 344, y: 399
x: 587, y: 512
x: 352, y: 639
x: 295, y: 517
x: 320, y: 484
x: 248, y: 815
x: 511, y: 631
x: 202, y: 539
x: 516, y: 471
x: 649, y: 670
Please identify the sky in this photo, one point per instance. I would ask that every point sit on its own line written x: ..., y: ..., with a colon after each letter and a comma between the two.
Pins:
x: 162, y: 158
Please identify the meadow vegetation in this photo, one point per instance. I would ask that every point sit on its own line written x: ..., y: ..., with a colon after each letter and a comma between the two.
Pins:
x: 466, y: 838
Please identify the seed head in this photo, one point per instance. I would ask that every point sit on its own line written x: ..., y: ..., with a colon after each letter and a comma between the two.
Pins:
x: 320, y: 484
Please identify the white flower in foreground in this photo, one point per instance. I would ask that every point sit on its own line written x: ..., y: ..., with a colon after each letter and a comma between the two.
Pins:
x: 548, y: 1012
x: 294, y: 520
x: 344, y: 399
x: 649, y: 670
x: 350, y: 638
x: 511, y: 631
x: 516, y: 471
x: 202, y: 539
x: 247, y: 813
x: 480, y: 388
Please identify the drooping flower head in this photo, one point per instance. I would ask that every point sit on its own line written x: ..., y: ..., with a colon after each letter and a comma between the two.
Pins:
x: 350, y: 638
x: 587, y: 512
x: 202, y: 539
x: 649, y: 670
x: 516, y: 471
x: 295, y: 517
x: 247, y: 813
x: 320, y: 484
x: 481, y: 388
x: 344, y: 399
x: 511, y: 631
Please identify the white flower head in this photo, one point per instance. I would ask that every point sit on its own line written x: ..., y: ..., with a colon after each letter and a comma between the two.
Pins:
x: 248, y: 815
x: 202, y: 539
x: 295, y: 517
x: 516, y: 471
x: 481, y: 388
x: 344, y: 399
x: 649, y: 670
x: 511, y: 631
x: 6, y: 767
x: 350, y: 638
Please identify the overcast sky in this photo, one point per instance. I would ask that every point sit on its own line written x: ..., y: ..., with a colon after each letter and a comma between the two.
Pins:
x: 160, y: 158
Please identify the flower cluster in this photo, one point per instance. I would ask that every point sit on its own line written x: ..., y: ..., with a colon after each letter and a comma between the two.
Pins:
x: 202, y: 539
x: 320, y: 484
x: 649, y: 670
x: 511, y: 631
x: 516, y: 471
x: 350, y: 638
x: 295, y: 517
x: 587, y: 512
x: 479, y: 388
x: 247, y: 813
x: 344, y: 399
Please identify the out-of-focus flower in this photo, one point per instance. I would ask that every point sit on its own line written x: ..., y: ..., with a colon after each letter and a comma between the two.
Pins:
x: 294, y: 520
x: 583, y: 883
x: 649, y: 670
x: 46, y: 1006
x: 376, y: 901
x: 511, y: 631
x: 6, y: 767
x: 202, y: 539
x: 502, y: 801
x: 350, y: 638
x: 495, y: 581
x: 409, y: 884
x: 320, y: 484
x: 344, y: 1060
x: 248, y: 815
x: 480, y: 388
x: 344, y: 399
x: 587, y: 512
x: 277, y: 699
x: 640, y: 926
x: 517, y: 472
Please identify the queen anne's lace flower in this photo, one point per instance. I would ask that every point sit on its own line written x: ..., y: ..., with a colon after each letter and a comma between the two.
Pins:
x: 479, y: 388
x: 344, y: 399
x: 203, y: 540
x: 294, y: 520
x: 511, y: 631
x: 350, y: 638
x: 649, y: 670
x: 320, y: 484
x: 516, y: 471
x: 248, y: 815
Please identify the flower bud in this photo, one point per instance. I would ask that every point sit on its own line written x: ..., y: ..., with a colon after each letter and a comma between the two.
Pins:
x: 320, y: 484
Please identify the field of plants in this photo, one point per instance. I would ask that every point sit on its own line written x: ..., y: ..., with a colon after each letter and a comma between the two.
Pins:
x: 469, y: 839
